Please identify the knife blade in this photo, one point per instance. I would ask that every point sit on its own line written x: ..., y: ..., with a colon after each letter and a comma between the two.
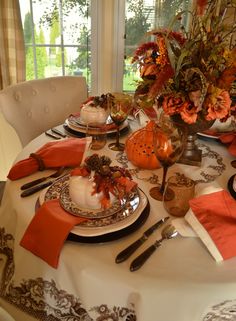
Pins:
x: 58, y: 132
x: 127, y: 252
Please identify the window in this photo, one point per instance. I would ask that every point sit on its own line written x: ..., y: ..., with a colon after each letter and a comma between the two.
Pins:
x: 57, y: 38
x: 94, y: 38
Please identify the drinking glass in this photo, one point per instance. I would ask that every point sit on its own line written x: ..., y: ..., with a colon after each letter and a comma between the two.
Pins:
x: 179, y: 190
x: 98, y: 134
x: 119, y: 111
x: 169, y: 140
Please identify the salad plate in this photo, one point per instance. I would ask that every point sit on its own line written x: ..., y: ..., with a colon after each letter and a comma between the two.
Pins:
x: 73, y: 123
x: 118, y: 205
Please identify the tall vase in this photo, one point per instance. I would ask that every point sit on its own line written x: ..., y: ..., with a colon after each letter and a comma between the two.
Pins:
x: 192, y: 155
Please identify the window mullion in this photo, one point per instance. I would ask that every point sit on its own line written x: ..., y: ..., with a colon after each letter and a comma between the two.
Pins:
x: 119, y: 44
x: 62, y: 38
x: 33, y: 41
x: 95, y: 52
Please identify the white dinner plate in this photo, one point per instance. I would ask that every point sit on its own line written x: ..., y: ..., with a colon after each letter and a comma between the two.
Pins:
x: 218, y: 129
x: 207, y: 134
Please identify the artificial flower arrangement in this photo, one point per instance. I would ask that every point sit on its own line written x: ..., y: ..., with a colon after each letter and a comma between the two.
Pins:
x: 191, y: 73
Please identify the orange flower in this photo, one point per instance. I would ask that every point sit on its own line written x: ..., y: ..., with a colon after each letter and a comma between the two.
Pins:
x: 217, y: 104
x: 189, y: 113
x: 173, y: 104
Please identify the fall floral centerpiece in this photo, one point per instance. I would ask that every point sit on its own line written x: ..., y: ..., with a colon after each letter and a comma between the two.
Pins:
x: 191, y: 73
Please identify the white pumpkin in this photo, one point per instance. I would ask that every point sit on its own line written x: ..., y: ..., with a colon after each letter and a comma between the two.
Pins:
x: 80, y: 190
x: 92, y: 114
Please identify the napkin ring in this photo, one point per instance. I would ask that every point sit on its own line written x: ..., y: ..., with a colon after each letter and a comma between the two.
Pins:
x: 39, y: 160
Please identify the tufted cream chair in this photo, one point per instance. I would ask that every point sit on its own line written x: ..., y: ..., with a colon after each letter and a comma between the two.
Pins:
x: 5, y: 316
x: 34, y: 106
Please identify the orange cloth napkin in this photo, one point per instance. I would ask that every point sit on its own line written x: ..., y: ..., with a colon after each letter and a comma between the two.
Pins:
x: 68, y: 152
x: 213, y: 218
x: 230, y: 139
x: 38, y: 237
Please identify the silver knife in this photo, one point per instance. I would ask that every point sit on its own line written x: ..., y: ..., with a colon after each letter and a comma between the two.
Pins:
x: 52, y: 135
x: 58, y: 132
x: 126, y: 253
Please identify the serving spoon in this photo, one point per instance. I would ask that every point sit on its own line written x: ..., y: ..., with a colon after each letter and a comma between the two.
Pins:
x: 167, y: 233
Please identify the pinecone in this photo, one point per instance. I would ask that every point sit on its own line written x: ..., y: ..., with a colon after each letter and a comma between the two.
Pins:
x: 93, y: 162
x: 105, y: 160
x: 105, y: 170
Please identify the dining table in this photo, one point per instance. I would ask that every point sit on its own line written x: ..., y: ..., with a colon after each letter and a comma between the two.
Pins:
x: 181, y: 281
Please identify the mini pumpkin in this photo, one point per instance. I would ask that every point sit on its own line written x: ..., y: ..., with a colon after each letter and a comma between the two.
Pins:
x: 139, y: 148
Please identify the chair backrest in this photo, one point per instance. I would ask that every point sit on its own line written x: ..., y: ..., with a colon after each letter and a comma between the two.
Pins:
x: 5, y: 316
x: 34, y: 106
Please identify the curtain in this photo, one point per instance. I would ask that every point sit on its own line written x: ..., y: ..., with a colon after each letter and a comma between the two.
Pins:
x: 12, y: 51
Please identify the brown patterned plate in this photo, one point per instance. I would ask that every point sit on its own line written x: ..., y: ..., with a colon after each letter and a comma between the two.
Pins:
x: 68, y: 205
x: 122, y: 218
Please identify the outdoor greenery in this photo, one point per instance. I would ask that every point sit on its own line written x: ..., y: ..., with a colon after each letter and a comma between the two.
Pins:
x: 139, y: 19
x: 41, y: 53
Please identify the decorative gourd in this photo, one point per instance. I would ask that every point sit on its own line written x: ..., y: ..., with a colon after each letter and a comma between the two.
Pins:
x: 81, y: 189
x: 92, y: 114
x: 139, y: 148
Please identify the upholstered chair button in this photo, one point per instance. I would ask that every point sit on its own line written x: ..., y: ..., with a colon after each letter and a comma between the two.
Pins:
x: 53, y: 88
x: 29, y: 114
x: 17, y: 96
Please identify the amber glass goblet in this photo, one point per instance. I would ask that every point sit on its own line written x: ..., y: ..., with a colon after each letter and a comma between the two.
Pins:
x: 119, y: 111
x: 169, y: 140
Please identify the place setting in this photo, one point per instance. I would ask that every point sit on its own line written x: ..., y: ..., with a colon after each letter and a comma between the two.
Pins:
x: 96, y: 202
x: 95, y: 113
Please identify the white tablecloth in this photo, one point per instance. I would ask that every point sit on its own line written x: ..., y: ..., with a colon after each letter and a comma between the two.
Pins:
x: 180, y: 282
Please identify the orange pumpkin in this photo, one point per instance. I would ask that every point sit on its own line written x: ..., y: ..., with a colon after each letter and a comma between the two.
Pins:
x: 139, y: 148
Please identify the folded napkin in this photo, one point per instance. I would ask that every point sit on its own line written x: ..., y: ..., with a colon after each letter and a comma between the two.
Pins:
x: 68, y: 152
x: 38, y: 237
x: 230, y: 139
x: 213, y: 218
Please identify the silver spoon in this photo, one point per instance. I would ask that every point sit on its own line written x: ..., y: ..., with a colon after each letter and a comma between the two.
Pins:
x: 167, y: 233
